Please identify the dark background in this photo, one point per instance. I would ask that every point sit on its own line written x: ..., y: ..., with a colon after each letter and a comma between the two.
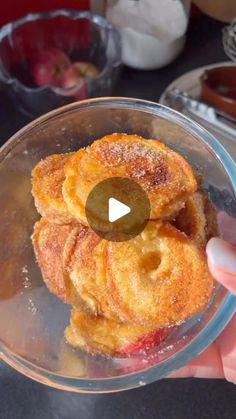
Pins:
x: 21, y: 398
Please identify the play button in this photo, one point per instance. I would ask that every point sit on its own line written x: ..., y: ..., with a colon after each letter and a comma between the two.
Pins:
x: 117, y: 209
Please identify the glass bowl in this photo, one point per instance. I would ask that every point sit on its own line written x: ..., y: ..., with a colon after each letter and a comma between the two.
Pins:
x: 83, y: 36
x: 32, y: 320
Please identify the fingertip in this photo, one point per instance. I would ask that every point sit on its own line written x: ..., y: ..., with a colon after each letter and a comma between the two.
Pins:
x: 226, y: 279
x: 222, y: 255
x: 222, y: 262
x: 227, y: 226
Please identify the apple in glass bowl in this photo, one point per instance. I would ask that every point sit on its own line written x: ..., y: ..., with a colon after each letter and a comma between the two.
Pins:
x: 37, y: 49
x: 73, y: 79
x: 47, y: 66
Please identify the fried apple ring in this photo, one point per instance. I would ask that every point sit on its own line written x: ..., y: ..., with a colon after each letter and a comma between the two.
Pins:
x: 160, y: 277
x: 212, y: 228
x: 165, y: 176
x: 198, y: 219
x: 49, y: 242
x: 86, y: 268
x: 47, y: 178
x: 98, y: 335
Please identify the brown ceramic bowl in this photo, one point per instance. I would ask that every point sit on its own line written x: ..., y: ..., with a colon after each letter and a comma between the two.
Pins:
x: 218, y: 88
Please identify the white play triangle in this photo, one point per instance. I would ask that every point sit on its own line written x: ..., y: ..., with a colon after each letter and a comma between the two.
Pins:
x: 117, y: 210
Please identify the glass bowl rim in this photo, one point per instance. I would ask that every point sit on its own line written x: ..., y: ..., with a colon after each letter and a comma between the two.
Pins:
x: 204, y: 338
x: 8, y: 28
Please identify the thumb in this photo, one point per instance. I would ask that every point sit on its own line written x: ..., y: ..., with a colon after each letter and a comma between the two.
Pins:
x: 222, y: 262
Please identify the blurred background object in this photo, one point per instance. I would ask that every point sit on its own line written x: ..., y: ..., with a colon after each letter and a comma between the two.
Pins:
x: 229, y: 40
x: 152, y: 31
x: 53, y: 58
x: 12, y: 10
x: 219, y: 90
x: 98, y: 6
x: 223, y: 10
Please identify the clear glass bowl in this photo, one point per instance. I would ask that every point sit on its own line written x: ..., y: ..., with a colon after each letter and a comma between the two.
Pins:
x: 32, y: 320
x: 83, y: 36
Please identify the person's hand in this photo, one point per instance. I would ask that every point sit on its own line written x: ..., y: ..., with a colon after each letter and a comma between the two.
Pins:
x: 219, y: 359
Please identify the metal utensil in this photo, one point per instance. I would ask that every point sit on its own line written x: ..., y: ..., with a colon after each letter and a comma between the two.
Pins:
x: 207, y: 115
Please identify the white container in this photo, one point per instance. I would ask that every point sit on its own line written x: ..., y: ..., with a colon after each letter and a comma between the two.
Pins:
x: 152, y: 31
x: 146, y: 52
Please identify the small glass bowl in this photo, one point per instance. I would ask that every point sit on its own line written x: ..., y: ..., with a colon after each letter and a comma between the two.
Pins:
x: 32, y: 320
x: 83, y: 36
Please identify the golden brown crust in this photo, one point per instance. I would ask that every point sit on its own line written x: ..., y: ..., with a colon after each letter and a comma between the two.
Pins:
x: 75, y: 203
x: 191, y: 220
x: 165, y: 176
x: 49, y: 244
x: 212, y: 228
x: 100, y: 335
x: 197, y: 219
x: 47, y: 179
x: 163, y: 279
x: 87, y: 272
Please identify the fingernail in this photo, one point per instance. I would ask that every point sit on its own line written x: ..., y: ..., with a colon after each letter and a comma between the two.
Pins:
x: 227, y: 227
x: 222, y: 255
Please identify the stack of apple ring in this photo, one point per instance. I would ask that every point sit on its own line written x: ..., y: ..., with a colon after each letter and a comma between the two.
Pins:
x: 125, y: 296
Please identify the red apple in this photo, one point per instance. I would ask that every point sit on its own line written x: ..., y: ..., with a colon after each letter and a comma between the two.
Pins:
x: 73, y: 79
x: 47, y: 66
